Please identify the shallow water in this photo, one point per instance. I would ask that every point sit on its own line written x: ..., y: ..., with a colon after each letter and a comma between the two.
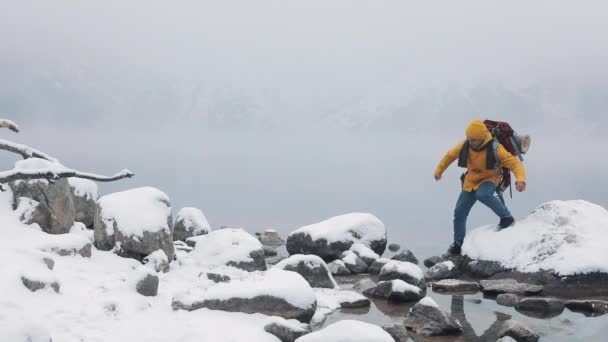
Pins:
x: 480, y: 316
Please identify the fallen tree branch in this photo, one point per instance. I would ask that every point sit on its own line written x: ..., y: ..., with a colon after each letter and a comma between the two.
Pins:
x: 5, y: 123
x: 24, y: 150
x: 57, y: 173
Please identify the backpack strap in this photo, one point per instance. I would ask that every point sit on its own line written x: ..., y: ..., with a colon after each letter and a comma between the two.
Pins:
x: 492, y: 161
x: 464, y: 154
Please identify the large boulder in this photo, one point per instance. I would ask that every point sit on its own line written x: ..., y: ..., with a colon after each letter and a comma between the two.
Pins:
x: 406, y: 271
x: 353, y: 262
x: 146, y: 281
x: 330, y: 238
x: 365, y: 253
x: 52, y: 205
x: 426, y: 319
x: 231, y: 247
x: 190, y: 222
x: 311, y: 267
x: 396, y: 291
x: 85, y: 193
x: 137, y: 222
x: 540, y: 307
x: 348, y: 331
x: 375, y: 267
x: 276, y: 293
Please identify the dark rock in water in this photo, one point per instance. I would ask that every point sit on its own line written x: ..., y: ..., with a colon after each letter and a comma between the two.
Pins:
x: 396, y: 291
x: 269, y: 251
x: 264, y: 304
x: 354, y: 264
x: 507, y: 299
x: 426, y: 319
x: 442, y: 270
x: 406, y: 255
x: 498, y: 286
x: 310, y: 267
x: 432, y: 261
x: 583, y: 286
x: 517, y: 331
x: 287, y: 331
x: 397, y: 332
x: 218, y: 278
x: 540, y: 307
x: 52, y: 207
x: 337, y: 267
x: 590, y: 308
x: 393, y: 247
x: 35, y: 285
x: 302, y: 243
x: 484, y: 268
x: 356, y: 304
x: 148, y: 285
x: 455, y: 286
x: 377, y: 266
x: 271, y: 238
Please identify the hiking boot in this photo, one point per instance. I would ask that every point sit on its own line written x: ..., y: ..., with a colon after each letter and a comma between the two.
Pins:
x: 506, y: 222
x: 453, y: 250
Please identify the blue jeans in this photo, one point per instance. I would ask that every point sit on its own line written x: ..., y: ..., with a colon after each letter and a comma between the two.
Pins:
x: 466, y: 200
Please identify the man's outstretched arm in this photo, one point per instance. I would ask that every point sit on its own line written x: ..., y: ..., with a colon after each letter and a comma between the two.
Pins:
x: 512, y: 163
x: 448, y: 159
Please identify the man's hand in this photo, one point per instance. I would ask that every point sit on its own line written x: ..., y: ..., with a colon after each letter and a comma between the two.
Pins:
x: 520, y: 186
x: 437, y: 178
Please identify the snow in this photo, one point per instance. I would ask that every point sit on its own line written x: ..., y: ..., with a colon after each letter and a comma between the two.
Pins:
x: 84, y: 188
x: 568, y: 237
x: 449, y: 264
x: 399, y: 285
x: 363, y: 251
x: 348, y: 331
x: 194, y: 217
x: 330, y: 300
x: 136, y: 211
x: 428, y: 301
x: 342, y: 228
x: 277, y: 283
x: 403, y: 267
x: 224, y: 245
x: 349, y: 257
x: 25, y: 208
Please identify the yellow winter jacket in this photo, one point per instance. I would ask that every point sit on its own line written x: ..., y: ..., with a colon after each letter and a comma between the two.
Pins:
x: 476, y: 160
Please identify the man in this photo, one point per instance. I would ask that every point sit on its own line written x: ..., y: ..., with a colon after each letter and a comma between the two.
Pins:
x: 483, y: 175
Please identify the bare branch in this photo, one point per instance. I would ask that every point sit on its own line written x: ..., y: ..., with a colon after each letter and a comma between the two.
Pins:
x: 57, y: 173
x: 5, y: 123
x: 24, y: 150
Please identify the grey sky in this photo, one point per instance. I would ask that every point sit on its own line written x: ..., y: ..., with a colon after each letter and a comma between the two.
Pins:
x: 324, y: 107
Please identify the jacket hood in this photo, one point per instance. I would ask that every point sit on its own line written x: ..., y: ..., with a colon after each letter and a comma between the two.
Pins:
x: 478, y: 130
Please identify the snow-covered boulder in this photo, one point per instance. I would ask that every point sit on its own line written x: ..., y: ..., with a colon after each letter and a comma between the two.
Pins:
x: 508, y: 285
x: 432, y: 261
x: 271, y: 238
x: 287, y: 330
x: 455, y: 285
x: 406, y: 255
x: 67, y: 244
x: 365, y: 253
x: 329, y: 300
x: 348, y: 331
x: 231, y: 247
x: 157, y: 260
x: 427, y: 319
x: 311, y: 267
x: 406, y: 271
x: 396, y: 291
x: 276, y: 293
x: 516, y: 330
x: 375, y: 267
x: 53, y: 206
x: 137, y: 222
x: 338, y: 267
x: 330, y: 238
x: 146, y: 281
x: 442, y: 270
x: 568, y: 237
x: 353, y: 262
x: 85, y: 193
x: 190, y: 222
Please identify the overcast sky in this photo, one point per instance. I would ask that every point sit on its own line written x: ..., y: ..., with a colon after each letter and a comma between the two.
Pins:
x: 151, y: 69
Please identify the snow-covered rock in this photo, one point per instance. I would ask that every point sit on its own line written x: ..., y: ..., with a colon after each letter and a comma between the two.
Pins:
x: 137, y: 222
x: 406, y: 271
x: 276, y: 293
x: 85, y: 193
x: 287, y: 330
x: 507, y: 299
x: 498, y: 286
x: 190, y: 222
x: 432, y: 261
x: 146, y: 281
x: 231, y: 247
x: 396, y: 291
x: 54, y: 207
x: 427, y: 319
x: 348, y: 331
x: 406, y: 255
x: 398, y: 332
x: 442, y: 270
x: 517, y: 331
x: 568, y: 237
x: 365, y: 253
x: 329, y: 238
x: 353, y: 262
x: 337, y: 267
x: 455, y: 285
x: 484, y: 268
x: 67, y: 244
x: 157, y: 260
x: 377, y: 265
x: 588, y: 307
x: 271, y: 238
x: 311, y: 267
x: 35, y: 283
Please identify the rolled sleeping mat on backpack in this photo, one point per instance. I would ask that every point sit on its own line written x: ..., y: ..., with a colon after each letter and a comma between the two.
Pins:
x: 521, y: 143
